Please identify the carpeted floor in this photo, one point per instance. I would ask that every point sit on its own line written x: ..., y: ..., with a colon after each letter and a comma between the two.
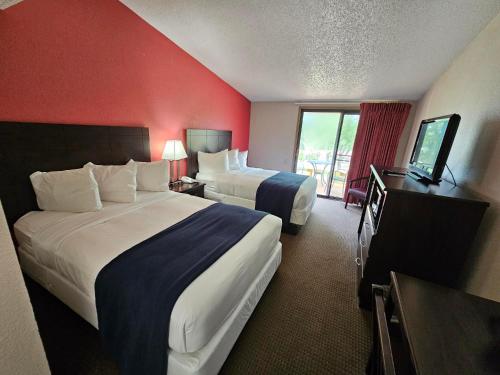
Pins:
x: 307, y: 321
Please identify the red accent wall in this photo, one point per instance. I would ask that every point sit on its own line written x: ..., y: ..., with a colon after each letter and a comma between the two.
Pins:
x: 96, y: 62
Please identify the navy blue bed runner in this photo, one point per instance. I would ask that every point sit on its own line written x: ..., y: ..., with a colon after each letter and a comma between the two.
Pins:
x: 136, y: 291
x: 277, y: 193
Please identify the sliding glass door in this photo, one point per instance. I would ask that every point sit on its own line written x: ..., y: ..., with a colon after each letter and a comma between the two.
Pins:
x: 324, y: 148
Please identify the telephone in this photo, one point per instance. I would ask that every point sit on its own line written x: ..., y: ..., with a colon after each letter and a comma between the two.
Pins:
x: 188, y: 180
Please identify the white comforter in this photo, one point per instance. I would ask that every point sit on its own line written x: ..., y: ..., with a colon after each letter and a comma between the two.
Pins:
x: 244, y: 184
x: 78, y: 246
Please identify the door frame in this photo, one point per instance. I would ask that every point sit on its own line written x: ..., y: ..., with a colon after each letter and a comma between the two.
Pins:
x: 335, y: 146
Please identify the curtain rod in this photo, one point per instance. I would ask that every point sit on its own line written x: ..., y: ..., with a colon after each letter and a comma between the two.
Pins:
x: 336, y: 102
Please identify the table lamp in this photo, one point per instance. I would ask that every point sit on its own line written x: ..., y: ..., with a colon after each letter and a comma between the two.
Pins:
x: 174, y: 151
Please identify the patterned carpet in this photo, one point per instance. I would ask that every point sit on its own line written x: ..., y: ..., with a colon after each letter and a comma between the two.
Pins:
x: 307, y: 322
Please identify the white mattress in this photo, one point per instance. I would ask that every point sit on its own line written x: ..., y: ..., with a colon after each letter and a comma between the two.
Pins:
x: 210, y: 358
x: 240, y: 187
x: 77, y: 246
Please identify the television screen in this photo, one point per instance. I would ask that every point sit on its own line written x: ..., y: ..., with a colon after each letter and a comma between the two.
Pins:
x: 428, y: 145
x: 433, y: 145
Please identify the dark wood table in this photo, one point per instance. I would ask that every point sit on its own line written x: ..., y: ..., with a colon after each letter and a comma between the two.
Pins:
x: 196, y: 188
x: 433, y: 330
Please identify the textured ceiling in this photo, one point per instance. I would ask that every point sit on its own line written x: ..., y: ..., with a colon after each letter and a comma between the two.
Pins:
x: 4, y: 4
x: 321, y: 50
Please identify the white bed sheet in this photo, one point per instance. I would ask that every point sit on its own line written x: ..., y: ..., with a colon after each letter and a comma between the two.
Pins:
x: 240, y: 187
x: 77, y: 246
x: 210, y: 358
x: 206, y: 361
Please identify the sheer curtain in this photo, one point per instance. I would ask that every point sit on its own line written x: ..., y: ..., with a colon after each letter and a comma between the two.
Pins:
x: 379, y: 129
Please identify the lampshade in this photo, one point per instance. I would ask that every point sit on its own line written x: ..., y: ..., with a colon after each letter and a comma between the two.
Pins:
x: 174, y: 150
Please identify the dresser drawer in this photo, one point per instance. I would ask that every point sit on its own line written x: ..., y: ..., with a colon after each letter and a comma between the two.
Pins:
x: 361, y: 255
x: 359, y: 266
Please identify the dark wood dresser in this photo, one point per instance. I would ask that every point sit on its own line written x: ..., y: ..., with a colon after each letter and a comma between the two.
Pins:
x: 422, y: 328
x: 421, y: 230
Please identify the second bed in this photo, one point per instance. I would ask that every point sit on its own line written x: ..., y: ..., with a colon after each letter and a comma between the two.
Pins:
x: 240, y: 187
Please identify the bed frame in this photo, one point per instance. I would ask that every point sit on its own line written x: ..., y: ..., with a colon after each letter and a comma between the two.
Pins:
x: 29, y: 147
x: 204, y: 140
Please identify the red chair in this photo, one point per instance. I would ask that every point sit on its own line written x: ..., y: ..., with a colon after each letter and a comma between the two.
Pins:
x: 357, y: 192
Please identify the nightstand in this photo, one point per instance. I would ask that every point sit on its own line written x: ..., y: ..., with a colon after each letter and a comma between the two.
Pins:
x: 196, y: 188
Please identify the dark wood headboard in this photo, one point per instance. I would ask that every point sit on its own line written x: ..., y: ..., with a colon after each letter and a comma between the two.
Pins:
x: 29, y: 147
x: 205, y: 140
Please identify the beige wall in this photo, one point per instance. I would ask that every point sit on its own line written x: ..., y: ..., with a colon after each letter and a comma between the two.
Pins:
x: 471, y: 88
x: 21, y: 347
x: 273, y: 128
x: 273, y: 133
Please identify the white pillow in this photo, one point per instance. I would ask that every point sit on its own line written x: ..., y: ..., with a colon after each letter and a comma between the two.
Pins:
x: 213, y: 163
x: 152, y: 176
x: 73, y: 190
x: 242, y: 157
x: 117, y: 183
x: 234, y: 162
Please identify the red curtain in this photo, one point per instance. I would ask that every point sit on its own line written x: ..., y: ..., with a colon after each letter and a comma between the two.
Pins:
x: 379, y: 129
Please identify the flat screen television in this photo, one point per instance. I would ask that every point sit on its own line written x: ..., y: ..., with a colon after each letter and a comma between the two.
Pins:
x: 432, y: 147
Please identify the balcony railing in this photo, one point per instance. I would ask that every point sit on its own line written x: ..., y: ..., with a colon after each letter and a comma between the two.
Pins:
x: 320, y: 168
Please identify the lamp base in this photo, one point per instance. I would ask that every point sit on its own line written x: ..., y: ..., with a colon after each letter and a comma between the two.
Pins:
x: 171, y: 165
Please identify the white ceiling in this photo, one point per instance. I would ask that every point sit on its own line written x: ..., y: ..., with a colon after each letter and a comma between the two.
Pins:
x: 321, y: 50
x: 4, y: 4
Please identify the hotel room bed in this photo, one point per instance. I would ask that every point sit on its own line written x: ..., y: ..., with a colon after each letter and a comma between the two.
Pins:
x: 64, y: 252
x: 250, y: 187
x: 240, y: 187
